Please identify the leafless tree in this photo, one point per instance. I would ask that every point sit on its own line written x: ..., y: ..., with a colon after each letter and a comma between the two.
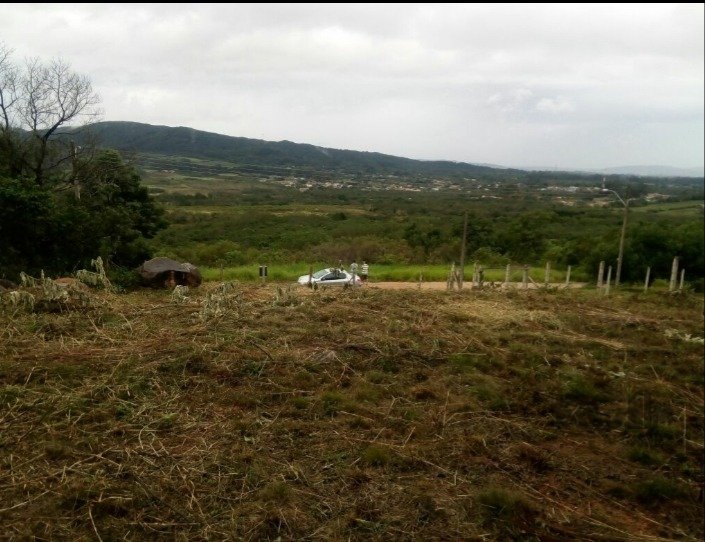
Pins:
x: 8, y: 87
x: 39, y: 104
x: 10, y: 154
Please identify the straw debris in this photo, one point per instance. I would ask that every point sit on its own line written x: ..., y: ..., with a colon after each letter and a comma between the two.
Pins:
x: 351, y: 415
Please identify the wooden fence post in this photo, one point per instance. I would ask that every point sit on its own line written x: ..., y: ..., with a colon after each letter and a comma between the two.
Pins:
x: 507, y: 275
x: 646, y: 282
x: 462, y: 252
x: 680, y: 287
x: 525, y: 277
x: 567, y: 278
x: 674, y: 275
x: 474, y: 275
x: 600, y: 274
x: 451, y: 277
x: 609, y: 279
x: 547, y: 278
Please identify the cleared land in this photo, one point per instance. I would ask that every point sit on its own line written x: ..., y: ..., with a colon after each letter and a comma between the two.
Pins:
x: 257, y: 413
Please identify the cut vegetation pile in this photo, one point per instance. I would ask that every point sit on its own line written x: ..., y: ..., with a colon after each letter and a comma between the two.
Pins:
x: 254, y: 413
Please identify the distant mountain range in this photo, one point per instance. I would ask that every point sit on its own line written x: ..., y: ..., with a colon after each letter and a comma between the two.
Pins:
x: 640, y: 171
x: 654, y: 171
x: 256, y: 155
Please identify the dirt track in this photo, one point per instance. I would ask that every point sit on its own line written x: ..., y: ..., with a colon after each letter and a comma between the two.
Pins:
x: 442, y: 285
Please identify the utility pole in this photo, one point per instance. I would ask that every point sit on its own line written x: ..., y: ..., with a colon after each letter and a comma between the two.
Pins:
x: 618, y: 274
x: 625, y: 204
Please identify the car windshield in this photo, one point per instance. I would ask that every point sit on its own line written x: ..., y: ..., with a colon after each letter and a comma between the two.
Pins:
x: 320, y: 274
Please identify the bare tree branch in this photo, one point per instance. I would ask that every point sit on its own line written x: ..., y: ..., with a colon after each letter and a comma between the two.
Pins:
x: 39, y: 103
x: 8, y: 87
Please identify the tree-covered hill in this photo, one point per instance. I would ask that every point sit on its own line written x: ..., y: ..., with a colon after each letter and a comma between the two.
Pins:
x: 165, y: 140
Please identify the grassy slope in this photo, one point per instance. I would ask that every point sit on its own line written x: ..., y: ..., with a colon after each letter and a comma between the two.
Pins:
x: 354, y: 415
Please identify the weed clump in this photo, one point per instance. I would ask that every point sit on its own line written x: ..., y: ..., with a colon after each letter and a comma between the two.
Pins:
x: 376, y: 456
x: 332, y: 402
x: 582, y: 389
x: 658, y: 489
x: 507, y: 510
x: 225, y: 298
x: 644, y: 456
x: 276, y: 492
x: 300, y: 402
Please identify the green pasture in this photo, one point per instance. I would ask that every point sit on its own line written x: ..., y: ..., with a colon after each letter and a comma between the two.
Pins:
x: 386, y: 273
x: 674, y: 209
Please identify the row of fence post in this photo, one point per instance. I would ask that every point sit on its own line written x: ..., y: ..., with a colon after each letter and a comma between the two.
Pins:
x: 478, y: 276
x: 603, y: 283
x: 673, y: 285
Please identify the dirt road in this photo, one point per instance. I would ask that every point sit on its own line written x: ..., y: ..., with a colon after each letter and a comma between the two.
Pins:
x: 467, y: 285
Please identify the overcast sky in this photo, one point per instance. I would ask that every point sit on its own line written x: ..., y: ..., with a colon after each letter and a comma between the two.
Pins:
x: 583, y: 86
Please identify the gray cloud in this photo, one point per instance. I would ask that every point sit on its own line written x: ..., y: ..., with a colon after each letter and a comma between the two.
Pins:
x: 566, y: 85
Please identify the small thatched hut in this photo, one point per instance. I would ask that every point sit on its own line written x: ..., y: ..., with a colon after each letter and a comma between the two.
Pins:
x: 167, y: 273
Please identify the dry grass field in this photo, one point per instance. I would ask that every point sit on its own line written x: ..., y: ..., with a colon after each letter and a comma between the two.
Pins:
x: 250, y: 412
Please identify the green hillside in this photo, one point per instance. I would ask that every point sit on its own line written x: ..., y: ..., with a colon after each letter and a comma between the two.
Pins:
x: 164, y: 140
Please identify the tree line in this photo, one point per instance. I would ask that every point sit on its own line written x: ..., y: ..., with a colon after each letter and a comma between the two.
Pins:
x: 62, y: 204
x: 419, y: 228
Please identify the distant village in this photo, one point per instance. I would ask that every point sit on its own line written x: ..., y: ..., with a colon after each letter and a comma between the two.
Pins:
x: 566, y: 195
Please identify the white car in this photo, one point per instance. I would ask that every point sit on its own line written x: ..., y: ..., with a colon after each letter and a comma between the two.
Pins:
x: 330, y: 277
